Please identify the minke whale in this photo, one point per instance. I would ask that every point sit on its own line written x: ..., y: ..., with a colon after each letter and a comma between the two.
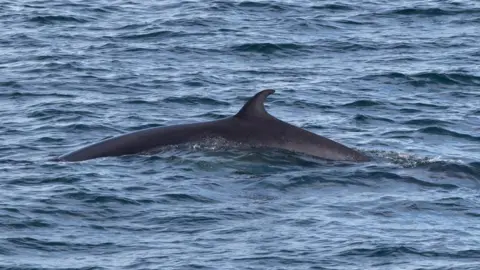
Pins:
x: 252, y: 126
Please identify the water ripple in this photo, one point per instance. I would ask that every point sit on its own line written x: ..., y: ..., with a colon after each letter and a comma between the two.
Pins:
x: 446, y: 132
x: 270, y: 48
x: 54, y: 19
x: 423, y: 78
x: 430, y: 12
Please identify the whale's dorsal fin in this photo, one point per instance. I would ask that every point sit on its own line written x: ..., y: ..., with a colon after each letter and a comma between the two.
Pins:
x: 255, y: 107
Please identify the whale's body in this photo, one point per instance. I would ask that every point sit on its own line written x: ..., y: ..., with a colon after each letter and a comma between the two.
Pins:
x: 252, y: 125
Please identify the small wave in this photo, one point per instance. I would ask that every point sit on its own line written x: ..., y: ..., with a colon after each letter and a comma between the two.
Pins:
x: 138, y: 101
x: 403, y: 178
x: 362, y: 103
x: 334, y: 7
x: 403, y: 159
x: 383, y: 251
x: 468, y: 254
x: 466, y: 95
x: 476, y: 166
x: 379, y: 251
x: 446, y: 132
x: 37, y: 244
x: 419, y: 11
x: 154, y: 35
x: 50, y: 140
x: 431, y: 11
x: 94, y: 198
x: 57, y: 66
x: 11, y: 84
x: 263, y: 5
x: 426, y: 122
x: 425, y: 78
x: 94, y: 129
x: 52, y: 19
x: 27, y: 224
x: 409, y: 110
x: 342, y: 46
x: 55, y: 211
x: 302, y: 104
x: 184, y: 220
x: 278, y: 157
x: 187, y: 198
x: 388, y: 75
x: 46, y: 114
x: 201, y: 81
x: 466, y: 21
x: 461, y: 171
x: 199, y: 22
x: 455, y: 168
x: 352, y: 22
x: 22, y: 94
x: 368, y: 118
x: 143, y: 126
x: 428, y: 105
x: 132, y: 26
x: 312, y: 180
x: 269, y: 48
x: 6, y: 252
x: 194, y: 100
x: 78, y: 127
x: 28, y: 181
x: 447, y: 78
x: 112, y: 8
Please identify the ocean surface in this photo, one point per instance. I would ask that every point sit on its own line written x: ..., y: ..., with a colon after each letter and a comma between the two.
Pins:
x: 397, y: 80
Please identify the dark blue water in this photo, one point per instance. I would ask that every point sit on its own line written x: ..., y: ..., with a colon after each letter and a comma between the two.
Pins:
x: 400, y: 81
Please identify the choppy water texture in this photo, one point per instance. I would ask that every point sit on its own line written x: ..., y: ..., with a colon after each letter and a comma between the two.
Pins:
x: 398, y: 80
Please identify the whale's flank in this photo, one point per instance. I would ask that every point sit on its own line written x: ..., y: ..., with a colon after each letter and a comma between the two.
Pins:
x: 252, y: 125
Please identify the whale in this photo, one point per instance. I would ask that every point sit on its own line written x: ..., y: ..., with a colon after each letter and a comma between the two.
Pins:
x: 252, y: 126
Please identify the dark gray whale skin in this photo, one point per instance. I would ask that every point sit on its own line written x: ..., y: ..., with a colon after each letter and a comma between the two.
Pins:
x: 252, y: 125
